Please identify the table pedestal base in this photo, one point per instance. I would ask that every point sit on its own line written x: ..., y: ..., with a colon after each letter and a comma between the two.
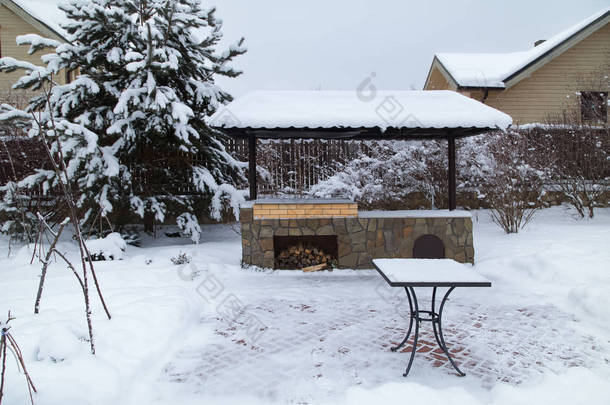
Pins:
x: 434, y: 317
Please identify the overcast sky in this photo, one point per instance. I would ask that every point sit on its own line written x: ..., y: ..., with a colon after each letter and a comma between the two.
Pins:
x: 335, y: 44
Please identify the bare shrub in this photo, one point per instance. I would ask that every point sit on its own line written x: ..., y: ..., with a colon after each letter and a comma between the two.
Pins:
x: 7, y: 341
x: 584, y: 180
x: 580, y: 161
x: 57, y: 141
x: 581, y: 143
x: 181, y: 259
x: 46, y: 259
x: 513, y: 182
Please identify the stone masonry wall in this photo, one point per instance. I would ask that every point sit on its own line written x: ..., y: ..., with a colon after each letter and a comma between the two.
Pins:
x: 359, y: 239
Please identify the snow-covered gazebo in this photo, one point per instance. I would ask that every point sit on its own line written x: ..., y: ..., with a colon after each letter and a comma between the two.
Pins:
x: 298, y: 233
x: 399, y: 115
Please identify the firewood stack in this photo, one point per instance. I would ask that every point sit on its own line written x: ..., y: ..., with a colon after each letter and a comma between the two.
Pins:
x: 302, y: 255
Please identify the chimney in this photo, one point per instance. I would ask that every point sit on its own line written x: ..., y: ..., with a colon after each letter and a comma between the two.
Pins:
x: 539, y: 42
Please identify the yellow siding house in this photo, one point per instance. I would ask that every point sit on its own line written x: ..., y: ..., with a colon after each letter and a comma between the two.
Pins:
x: 568, y: 72
x: 19, y: 17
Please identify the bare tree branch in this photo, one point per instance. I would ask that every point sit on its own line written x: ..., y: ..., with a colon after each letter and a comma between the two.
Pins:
x: 47, y: 259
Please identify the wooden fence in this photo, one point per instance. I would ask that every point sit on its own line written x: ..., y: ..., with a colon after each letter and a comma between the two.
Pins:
x: 288, y: 166
x: 294, y: 166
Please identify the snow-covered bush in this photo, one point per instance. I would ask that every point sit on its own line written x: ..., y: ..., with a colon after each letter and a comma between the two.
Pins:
x: 512, y: 180
x: 579, y: 159
x: 502, y: 169
x: 180, y: 259
x: 59, y: 343
x: 112, y: 247
x: 132, y: 123
x: 389, y: 173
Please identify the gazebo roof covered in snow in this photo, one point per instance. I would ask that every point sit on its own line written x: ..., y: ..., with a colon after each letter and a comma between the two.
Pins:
x: 432, y: 114
x: 346, y: 114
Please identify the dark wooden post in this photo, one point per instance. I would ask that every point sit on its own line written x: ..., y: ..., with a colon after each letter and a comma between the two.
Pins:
x: 252, y: 166
x: 451, y: 172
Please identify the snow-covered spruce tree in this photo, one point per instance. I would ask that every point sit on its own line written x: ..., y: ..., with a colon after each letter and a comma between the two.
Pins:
x: 145, y: 72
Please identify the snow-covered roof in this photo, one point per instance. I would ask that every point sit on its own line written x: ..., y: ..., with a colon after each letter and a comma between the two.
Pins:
x: 45, y: 11
x: 493, y: 69
x: 345, y: 109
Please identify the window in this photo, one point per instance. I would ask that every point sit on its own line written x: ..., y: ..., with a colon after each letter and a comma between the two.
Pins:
x: 594, y: 106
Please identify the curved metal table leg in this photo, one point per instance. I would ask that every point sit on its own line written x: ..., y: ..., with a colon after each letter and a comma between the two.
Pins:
x: 414, y: 349
x: 442, y: 343
x: 437, y: 326
x: 411, y: 315
x: 435, y: 318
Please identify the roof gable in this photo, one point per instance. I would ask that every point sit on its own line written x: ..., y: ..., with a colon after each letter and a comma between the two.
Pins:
x: 503, y: 70
x: 44, y: 15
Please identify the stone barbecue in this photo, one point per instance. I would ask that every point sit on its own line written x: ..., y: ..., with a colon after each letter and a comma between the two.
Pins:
x: 272, y: 227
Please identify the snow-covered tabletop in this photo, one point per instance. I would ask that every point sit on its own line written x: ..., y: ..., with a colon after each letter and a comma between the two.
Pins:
x: 429, y: 273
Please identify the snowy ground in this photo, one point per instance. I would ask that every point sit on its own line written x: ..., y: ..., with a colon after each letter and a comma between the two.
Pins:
x: 211, y: 332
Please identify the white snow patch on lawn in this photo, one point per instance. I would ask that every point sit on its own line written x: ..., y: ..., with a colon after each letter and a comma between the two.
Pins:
x: 539, y: 335
x: 576, y: 386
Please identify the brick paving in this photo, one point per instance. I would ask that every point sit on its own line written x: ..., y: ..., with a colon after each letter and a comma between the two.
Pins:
x: 317, y: 343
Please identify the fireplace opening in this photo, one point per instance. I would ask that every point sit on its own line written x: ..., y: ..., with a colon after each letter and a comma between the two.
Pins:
x: 428, y: 247
x: 297, y: 252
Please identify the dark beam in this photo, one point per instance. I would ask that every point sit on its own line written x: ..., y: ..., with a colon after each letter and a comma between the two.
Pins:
x: 451, y: 172
x: 252, y: 166
x: 355, y: 133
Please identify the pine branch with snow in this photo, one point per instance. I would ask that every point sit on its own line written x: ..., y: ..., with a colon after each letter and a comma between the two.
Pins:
x: 134, y: 118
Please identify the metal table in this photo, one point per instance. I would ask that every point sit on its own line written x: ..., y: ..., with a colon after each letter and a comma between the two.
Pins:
x: 410, y: 273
